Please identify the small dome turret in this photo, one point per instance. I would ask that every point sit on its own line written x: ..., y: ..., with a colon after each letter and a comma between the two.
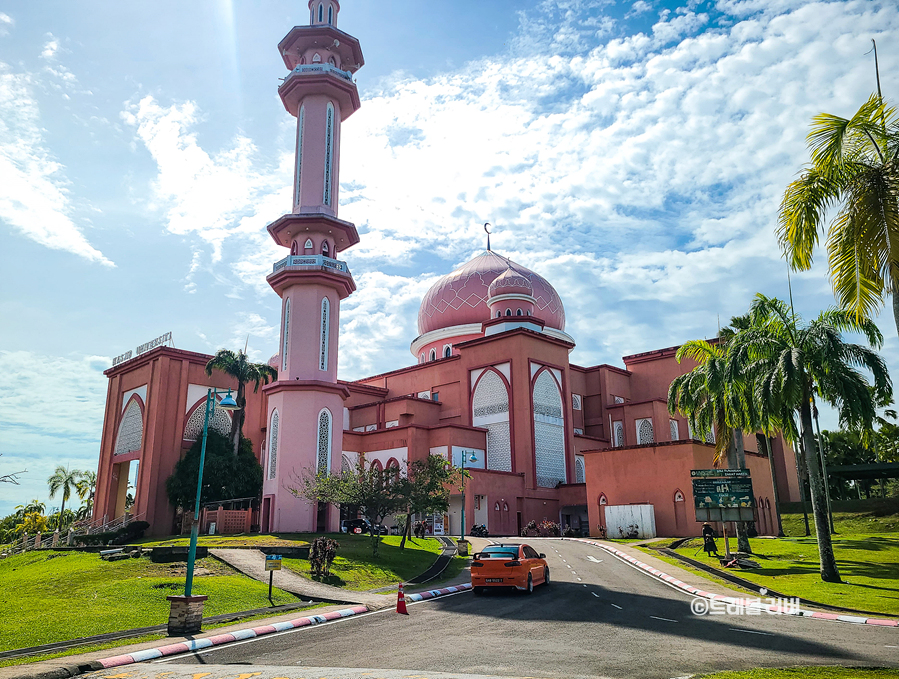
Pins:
x: 510, y: 282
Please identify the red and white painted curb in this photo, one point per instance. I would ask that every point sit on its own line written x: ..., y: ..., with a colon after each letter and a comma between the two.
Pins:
x: 239, y: 635
x: 746, y: 603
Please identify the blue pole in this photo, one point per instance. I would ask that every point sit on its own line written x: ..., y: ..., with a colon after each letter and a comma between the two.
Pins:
x: 195, y: 528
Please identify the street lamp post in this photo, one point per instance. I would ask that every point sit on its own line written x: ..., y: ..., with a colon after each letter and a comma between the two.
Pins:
x: 473, y: 458
x: 187, y: 611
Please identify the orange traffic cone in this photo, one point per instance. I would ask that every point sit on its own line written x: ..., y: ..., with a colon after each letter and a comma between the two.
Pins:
x: 401, y: 601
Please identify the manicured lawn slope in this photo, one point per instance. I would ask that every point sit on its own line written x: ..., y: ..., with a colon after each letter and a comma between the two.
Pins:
x: 868, y: 563
x: 355, y: 569
x: 240, y: 540
x: 52, y: 596
x: 871, y: 516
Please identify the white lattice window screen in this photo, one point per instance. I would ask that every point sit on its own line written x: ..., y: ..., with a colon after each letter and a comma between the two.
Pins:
x: 324, y: 442
x: 301, y: 124
x: 131, y: 430
x: 575, y: 401
x: 619, y: 399
x: 286, y: 334
x: 345, y: 464
x: 273, y: 446
x: 548, y: 432
x: 710, y: 437
x: 220, y: 421
x: 618, y: 434
x: 672, y: 425
x: 490, y: 409
x: 644, y: 432
x: 580, y: 473
x: 329, y: 152
x: 325, y: 331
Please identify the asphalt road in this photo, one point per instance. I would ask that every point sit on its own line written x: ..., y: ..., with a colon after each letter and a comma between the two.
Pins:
x: 598, y: 618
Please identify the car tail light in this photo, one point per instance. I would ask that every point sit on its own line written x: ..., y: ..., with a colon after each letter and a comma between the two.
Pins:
x: 477, y: 565
x: 510, y: 564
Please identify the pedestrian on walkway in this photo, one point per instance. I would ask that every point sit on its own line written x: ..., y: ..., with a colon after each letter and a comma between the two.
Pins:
x: 708, y: 539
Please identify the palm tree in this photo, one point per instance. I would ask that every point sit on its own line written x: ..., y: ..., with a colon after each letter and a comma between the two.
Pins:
x: 713, y: 404
x: 854, y: 165
x: 33, y: 507
x: 64, y: 480
x: 787, y: 362
x: 237, y: 366
x: 86, y: 485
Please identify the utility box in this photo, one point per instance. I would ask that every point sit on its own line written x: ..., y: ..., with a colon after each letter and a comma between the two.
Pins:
x: 630, y: 521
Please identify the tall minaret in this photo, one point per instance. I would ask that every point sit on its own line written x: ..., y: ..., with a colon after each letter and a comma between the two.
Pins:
x: 305, y: 405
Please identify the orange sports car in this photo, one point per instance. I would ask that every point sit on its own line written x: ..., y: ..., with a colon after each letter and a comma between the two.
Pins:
x: 518, y: 566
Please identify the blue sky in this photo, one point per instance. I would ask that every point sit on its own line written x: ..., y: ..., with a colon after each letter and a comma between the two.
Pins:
x: 633, y: 153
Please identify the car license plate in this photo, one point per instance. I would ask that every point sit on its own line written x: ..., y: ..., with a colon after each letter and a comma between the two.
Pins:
x: 493, y: 580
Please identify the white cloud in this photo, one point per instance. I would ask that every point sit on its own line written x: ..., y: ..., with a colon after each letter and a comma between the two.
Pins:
x: 51, y: 47
x: 34, y: 195
x: 5, y: 22
x: 51, y: 412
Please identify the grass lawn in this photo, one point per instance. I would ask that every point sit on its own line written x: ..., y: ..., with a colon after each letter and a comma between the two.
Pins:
x: 874, y: 521
x: 239, y: 540
x: 55, y: 596
x: 355, y: 569
x: 807, y: 673
x: 868, y: 564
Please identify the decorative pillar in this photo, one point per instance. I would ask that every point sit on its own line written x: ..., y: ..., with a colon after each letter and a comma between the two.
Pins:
x: 186, y: 614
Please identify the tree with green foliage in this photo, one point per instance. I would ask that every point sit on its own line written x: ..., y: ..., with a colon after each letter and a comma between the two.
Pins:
x: 225, y: 477
x: 855, y: 168
x: 63, y: 481
x: 787, y: 362
x: 241, y: 369
x: 377, y: 492
x: 714, y: 404
x: 427, y: 487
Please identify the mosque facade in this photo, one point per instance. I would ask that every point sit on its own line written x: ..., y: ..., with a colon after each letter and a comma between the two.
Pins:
x: 490, y: 385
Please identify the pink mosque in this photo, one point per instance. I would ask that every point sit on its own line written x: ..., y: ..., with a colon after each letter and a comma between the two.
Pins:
x: 490, y: 379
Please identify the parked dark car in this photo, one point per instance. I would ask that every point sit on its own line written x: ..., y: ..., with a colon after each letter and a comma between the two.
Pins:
x: 359, y: 527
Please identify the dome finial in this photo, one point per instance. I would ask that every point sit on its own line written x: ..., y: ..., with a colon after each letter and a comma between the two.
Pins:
x: 486, y: 225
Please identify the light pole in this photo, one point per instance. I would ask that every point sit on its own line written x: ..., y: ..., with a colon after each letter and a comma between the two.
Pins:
x: 227, y: 403
x: 473, y: 458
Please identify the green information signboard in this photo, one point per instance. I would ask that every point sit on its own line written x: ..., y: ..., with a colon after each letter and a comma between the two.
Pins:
x: 719, y: 473
x: 723, y: 499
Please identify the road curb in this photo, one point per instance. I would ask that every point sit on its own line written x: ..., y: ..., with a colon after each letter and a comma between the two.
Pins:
x: 238, y: 635
x: 746, y: 603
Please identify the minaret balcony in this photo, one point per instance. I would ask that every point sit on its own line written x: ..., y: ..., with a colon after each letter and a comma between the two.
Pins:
x: 323, y: 78
x: 300, y: 69
x: 304, y: 262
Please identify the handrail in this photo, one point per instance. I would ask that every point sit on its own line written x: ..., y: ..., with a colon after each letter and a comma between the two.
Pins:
x: 320, y: 261
x: 321, y: 68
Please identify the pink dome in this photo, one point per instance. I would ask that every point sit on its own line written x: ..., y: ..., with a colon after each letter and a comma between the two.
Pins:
x: 510, y: 282
x: 275, y: 361
x: 461, y: 297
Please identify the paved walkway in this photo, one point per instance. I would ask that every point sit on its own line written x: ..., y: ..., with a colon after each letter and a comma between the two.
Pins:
x: 251, y: 562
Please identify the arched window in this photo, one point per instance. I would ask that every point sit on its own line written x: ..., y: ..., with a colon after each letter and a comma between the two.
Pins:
x: 529, y: 312
x: 602, y: 499
x: 308, y: 247
x: 273, y: 446
x: 549, y: 434
x: 325, y: 335
x: 672, y: 426
x: 432, y: 355
x: 301, y: 126
x: 329, y: 153
x: 219, y: 421
x: 580, y: 472
x: 323, y: 460
x: 447, y: 351
x: 508, y: 312
x: 644, y: 432
x: 285, y: 334
x: 316, y: 58
x: 131, y: 429
x: 618, y: 434
x: 330, y: 15
x: 678, y: 496
x: 499, y: 314
x: 518, y: 313
x: 331, y: 60
x: 421, y: 359
x: 345, y: 464
x: 490, y: 409
x: 321, y: 15
x: 376, y: 464
x: 326, y: 249
x: 294, y: 248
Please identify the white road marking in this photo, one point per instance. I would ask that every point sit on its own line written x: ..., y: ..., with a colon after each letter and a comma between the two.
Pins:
x: 594, y: 559
x: 665, y: 619
x: 618, y: 607
x: 751, y: 631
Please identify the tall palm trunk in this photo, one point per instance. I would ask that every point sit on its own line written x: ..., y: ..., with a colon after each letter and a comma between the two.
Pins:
x: 829, y: 571
x: 237, y: 417
x: 769, y: 444
x: 896, y: 305
x: 736, y: 459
